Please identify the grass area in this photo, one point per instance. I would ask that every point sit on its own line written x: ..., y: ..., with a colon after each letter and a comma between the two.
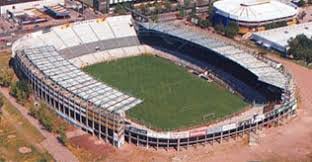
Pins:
x: 16, y: 131
x: 85, y: 155
x: 173, y: 98
x: 4, y: 58
x: 23, y: 134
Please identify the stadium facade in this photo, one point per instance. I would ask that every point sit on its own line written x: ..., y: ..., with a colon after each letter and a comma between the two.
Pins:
x: 50, y: 61
x: 253, y: 15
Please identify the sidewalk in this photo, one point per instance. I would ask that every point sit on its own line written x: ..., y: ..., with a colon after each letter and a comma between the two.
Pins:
x: 59, y: 152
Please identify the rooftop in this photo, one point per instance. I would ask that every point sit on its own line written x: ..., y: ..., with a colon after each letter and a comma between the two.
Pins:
x: 254, y: 10
x: 280, y: 36
x: 71, y: 78
x: 263, y: 70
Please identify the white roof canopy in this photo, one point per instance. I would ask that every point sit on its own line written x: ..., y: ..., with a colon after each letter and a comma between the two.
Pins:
x: 254, y: 10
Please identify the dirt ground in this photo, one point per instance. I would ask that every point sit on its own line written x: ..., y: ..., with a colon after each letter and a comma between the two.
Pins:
x: 288, y: 142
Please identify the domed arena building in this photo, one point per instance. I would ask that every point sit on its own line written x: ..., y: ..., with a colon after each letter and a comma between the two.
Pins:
x: 254, y: 15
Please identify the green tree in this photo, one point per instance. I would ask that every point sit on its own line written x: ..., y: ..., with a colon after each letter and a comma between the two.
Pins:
x: 6, y: 76
x: 276, y: 25
x: 193, y: 11
x: 231, y: 30
x: 1, y: 102
x: 301, y: 3
x: 181, y: 10
x: 63, y: 138
x: 143, y: 8
x: 154, y: 17
x: 1, y: 106
x: 158, y: 7
x: 120, y: 9
x: 42, y: 160
x: 204, y: 23
x: 20, y: 90
x: 187, y: 3
x: 167, y: 5
x: 300, y: 48
x: 219, y: 28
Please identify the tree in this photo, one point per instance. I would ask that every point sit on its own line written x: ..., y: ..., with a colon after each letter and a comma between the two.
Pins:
x: 143, y: 8
x: 20, y: 90
x: 276, y: 25
x: 204, y: 23
x: 158, y: 7
x: 120, y: 9
x: 193, y: 11
x: 1, y: 102
x: 187, y: 3
x: 63, y: 138
x: 6, y: 76
x: 154, y: 17
x: 181, y: 10
x: 219, y: 28
x: 167, y: 5
x: 42, y: 160
x: 300, y: 48
x: 231, y: 30
x: 1, y: 105
x: 301, y: 3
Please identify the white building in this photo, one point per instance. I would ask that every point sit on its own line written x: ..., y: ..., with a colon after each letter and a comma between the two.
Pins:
x: 253, y: 14
x: 277, y: 39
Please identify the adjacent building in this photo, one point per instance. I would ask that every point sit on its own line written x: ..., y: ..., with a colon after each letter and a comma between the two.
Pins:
x: 9, y: 6
x: 277, y: 39
x: 254, y: 15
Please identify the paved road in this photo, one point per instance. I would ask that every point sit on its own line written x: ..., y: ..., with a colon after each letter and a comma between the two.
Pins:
x: 59, y: 152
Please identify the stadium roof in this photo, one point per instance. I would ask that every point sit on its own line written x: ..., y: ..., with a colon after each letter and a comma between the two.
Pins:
x: 254, y: 10
x: 71, y: 78
x: 280, y: 36
x: 264, y: 71
x: 79, y: 33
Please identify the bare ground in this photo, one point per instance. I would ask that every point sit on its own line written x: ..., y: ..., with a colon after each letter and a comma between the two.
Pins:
x: 288, y: 142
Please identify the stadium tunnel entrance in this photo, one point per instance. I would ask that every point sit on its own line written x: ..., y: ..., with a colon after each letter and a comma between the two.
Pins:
x: 181, y: 48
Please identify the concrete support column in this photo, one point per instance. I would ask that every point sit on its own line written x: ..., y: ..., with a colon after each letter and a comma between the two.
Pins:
x: 100, y: 130
x: 221, y: 138
x: 213, y: 138
x: 178, y: 144
x: 147, y: 142
x: 157, y: 144
x: 129, y: 137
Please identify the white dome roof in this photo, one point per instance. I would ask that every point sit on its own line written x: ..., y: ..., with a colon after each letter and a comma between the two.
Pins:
x: 254, y: 10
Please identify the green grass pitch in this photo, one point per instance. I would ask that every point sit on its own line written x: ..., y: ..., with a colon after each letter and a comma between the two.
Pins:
x: 172, y: 97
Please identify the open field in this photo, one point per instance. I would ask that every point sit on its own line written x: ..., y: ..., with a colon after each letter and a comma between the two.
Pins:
x: 4, y: 59
x: 173, y: 98
x: 17, y: 132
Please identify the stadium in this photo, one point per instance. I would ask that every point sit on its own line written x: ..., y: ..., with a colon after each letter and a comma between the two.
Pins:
x: 89, y: 72
x: 254, y: 15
